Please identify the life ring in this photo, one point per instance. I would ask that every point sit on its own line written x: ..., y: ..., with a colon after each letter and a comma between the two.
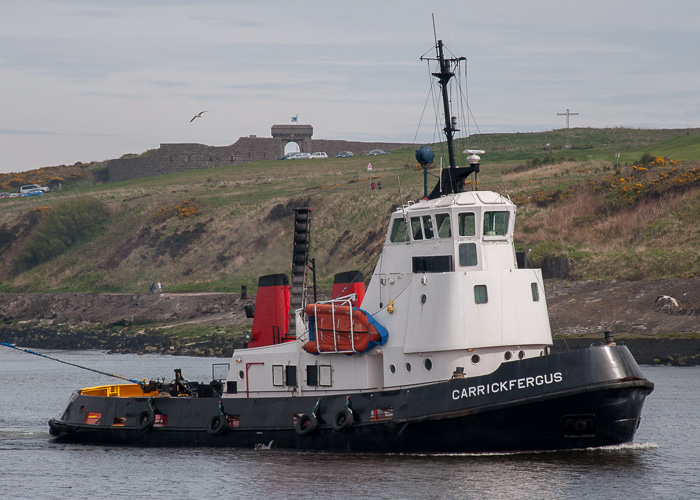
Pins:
x: 306, y: 424
x: 145, y: 420
x: 343, y: 420
x: 217, y: 425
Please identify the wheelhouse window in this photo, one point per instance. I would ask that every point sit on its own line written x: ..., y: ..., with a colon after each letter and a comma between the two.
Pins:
x: 467, y: 254
x: 444, y: 230
x: 399, y: 231
x: 428, y: 227
x: 480, y: 294
x: 416, y: 230
x: 496, y: 223
x: 466, y: 224
x: 422, y: 228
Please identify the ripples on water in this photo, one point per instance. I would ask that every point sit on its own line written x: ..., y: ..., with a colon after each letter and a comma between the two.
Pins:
x: 661, y: 464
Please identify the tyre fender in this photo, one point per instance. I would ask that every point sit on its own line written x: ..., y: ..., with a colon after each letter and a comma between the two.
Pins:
x: 306, y: 424
x: 145, y: 420
x: 217, y: 425
x: 343, y: 420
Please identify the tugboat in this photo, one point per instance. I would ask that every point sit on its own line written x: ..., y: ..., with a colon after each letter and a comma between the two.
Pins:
x: 447, y: 349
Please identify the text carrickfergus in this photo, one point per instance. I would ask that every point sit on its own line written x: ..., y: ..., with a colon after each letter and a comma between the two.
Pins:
x: 507, y: 385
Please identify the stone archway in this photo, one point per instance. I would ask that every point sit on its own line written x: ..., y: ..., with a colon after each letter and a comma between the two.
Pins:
x: 301, y: 134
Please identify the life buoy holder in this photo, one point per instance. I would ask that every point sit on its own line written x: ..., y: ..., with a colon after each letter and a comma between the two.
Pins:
x: 306, y: 424
x: 217, y: 425
x: 343, y: 420
x: 145, y: 420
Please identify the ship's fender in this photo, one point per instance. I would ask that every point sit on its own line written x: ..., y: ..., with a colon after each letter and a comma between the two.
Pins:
x: 343, y: 420
x: 145, y: 420
x: 306, y: 424
x: 217, y: 425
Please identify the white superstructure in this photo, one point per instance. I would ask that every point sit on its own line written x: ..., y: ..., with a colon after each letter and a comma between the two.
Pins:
x: 448, y: 291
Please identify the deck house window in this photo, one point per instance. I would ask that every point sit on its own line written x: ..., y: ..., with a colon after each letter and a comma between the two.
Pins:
x: 312, y: 375
x: 325, y: 375
x: 535, y: 292
x: 277, y: 375
x: 466, y: 224
x: 495, y: 223
x: 290, y: 375
x: 480, y: 294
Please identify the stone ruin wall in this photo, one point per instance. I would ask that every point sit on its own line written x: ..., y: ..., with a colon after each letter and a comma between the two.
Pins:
x: 182, y: 157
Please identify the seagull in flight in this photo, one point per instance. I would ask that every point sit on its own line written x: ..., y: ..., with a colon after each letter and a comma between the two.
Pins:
x: 198, y: 115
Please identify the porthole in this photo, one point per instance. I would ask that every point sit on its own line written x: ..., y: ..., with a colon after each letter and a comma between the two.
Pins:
x: 407, y: 367
x: 423, y: 298
x: 521, y: 354
x: 428, y: 364
x: 476, y: 359
x: 508, y: 355
x: 392, y: 368
x: 241, y: 375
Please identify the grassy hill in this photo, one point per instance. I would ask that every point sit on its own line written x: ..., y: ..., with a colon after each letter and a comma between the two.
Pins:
x: 636, y: 217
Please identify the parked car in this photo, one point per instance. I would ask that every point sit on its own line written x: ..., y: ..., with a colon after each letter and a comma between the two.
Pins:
x: 29, y: 187
x: 376, y: 152
x: 301, y: 156
x: 4, y: 195
x: 319, y: 154
x: 33, y: 192
x: 344, y: 154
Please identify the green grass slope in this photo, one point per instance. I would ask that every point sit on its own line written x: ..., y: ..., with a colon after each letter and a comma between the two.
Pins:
x: 218, y: 229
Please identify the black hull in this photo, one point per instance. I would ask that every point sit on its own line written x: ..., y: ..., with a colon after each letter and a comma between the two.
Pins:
x: 585, y: 398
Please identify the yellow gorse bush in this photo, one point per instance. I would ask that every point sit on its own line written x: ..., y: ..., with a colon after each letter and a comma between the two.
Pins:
x: 185, y: 209
x: 651, y: 177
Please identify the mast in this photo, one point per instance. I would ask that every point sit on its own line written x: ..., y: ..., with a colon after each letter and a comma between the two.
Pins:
x: 453, y: 178
x: 444, y: 77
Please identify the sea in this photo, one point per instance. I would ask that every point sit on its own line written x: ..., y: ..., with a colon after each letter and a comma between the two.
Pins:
x: 662, y: 463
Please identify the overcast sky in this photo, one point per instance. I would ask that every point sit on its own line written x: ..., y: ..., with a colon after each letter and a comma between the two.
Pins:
x: 84, y: 80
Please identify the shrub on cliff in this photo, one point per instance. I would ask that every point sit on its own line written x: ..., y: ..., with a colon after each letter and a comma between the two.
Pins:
x: 58, y: 229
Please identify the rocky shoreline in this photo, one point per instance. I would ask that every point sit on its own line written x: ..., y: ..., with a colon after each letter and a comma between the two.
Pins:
x: 647, y: 351
x: 141, y: 323
x: 118, y: 342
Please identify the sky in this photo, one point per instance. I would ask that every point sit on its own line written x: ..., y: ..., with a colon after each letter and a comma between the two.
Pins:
x: 92, y: 80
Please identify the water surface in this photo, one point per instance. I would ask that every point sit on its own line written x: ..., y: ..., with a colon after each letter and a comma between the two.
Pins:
x: 661, y: 464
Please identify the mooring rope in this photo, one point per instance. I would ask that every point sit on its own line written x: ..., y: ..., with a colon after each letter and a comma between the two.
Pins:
x: 29, y: 351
